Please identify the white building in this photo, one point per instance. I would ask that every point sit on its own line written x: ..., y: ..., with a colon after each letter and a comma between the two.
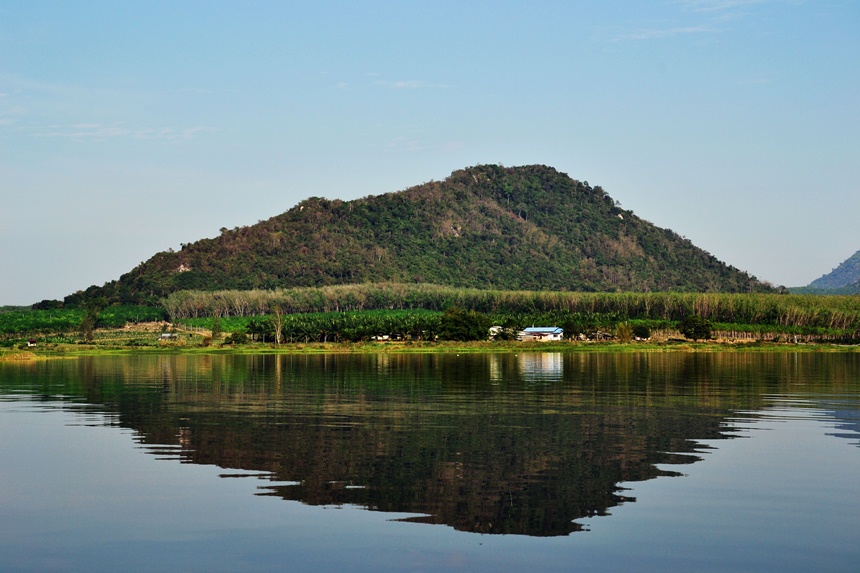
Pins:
x: 541, y: 333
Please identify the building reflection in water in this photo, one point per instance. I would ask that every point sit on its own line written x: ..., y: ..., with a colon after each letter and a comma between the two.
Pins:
x: 522, y: 443
x: 541, y: 367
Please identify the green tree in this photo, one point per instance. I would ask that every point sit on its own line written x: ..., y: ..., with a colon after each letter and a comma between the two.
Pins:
x: 462, y: 325
x: 91, y: 319
x: 238, y: 337
x: 48, y: 305
x: 624, y: 332
x: 695, y: 327
x: 216, y: 328
x: 88, y: 325
x: 259, y: 329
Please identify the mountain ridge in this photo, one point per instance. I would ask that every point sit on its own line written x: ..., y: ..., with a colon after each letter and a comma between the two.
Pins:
x: 510, y: 228
x: 844, y: 276
x: 844, y: 279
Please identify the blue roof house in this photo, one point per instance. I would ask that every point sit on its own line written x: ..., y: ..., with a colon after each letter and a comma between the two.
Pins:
x: 541, y: 333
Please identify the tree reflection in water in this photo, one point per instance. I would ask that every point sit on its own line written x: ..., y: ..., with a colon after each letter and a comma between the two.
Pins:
x: 491, y: 443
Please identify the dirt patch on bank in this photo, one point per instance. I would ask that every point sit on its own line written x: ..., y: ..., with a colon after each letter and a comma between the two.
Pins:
x: 16, y: 356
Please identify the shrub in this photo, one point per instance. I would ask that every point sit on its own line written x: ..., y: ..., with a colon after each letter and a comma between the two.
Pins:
x: 695, y: 327
x: 462, y: 325
x: 624, y: 332
x: 238, y: 337
x: 642, y: 331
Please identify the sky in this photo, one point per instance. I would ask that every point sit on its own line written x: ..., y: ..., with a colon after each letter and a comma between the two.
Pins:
x: 129, y: 128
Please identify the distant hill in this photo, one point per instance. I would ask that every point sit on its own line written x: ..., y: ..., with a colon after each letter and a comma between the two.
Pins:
x: 844, y: 279
x: 520, y: 228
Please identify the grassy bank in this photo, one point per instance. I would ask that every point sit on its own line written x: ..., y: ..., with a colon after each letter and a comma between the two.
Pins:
x: 60, y: 350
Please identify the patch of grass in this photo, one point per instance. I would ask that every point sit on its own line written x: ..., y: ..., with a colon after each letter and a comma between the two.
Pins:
x: 102, y: 348
x: 17, y: 356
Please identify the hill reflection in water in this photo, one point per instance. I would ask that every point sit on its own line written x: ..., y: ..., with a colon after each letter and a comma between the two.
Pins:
x: 492, y: 443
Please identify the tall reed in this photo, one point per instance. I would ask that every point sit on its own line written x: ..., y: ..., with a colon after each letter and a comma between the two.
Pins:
x: 832, y: 312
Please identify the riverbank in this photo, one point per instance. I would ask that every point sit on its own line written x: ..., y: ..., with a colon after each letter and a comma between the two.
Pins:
x: 77, y: 350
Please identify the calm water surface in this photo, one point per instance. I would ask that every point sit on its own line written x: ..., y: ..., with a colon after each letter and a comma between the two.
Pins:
x: 438, y: 462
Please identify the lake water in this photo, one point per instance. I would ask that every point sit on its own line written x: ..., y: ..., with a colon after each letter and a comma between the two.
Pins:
x: 431, y: 462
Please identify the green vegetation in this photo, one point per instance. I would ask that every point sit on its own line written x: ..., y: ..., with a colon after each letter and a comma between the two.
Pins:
x: 805, y: 313
x: 328, y: 326
x: 624, y: 332
x: 463, y: 325
x: 486, y: 227
x: 415, y: 312
x: 216, y: 328
x: 695, y: 327
x: 422, y: 313
x: 34, y: 321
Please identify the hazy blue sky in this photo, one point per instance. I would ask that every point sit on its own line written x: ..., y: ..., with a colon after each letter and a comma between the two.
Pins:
x: 127, y: 128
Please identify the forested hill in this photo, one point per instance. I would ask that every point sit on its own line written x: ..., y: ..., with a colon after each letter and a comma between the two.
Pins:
x: 844, y: 279
x: 521, y: 228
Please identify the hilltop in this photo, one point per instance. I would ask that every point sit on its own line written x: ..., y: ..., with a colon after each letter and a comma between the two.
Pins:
x: 519, y: 228
x: 844, y: 279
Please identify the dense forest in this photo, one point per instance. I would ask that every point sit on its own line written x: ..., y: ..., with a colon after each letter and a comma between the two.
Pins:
x: 521, y: 228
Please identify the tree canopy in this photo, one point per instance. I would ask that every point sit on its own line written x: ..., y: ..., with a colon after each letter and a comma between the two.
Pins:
x: 695, y: 327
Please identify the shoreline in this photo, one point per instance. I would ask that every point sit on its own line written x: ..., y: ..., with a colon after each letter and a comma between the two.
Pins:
x: 55, y: 351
